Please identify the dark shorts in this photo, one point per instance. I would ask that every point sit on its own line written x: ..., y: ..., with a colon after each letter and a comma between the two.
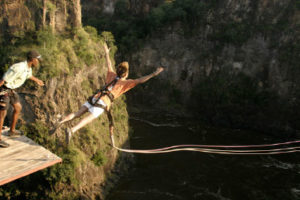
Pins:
x: 8, y: 96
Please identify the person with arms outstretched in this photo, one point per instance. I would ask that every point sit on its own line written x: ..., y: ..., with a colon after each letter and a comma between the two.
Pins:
x: 14, y: 78
x: 116, y: 85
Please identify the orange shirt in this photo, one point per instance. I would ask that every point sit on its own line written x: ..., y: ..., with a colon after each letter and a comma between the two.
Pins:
x: 120, y: 87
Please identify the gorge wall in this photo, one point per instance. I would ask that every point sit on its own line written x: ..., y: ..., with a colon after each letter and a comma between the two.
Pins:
x: 73, y: 68
x: 20, y: 16
x: 227, y: 62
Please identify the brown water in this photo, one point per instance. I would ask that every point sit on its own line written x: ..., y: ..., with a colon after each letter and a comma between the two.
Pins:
x: 194, y: 175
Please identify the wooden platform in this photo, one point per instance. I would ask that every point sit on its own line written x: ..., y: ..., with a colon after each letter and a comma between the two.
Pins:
x: 22, y: 158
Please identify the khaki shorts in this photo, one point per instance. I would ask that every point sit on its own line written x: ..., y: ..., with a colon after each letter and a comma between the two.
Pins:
x: 96, y: 111
x: 10, y: 98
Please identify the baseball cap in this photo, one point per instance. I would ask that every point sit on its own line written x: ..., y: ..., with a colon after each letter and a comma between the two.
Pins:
x: 34, y: 54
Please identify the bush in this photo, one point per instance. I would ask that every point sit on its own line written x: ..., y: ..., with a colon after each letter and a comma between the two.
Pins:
x: 46, y: 39
x: 99, y: 158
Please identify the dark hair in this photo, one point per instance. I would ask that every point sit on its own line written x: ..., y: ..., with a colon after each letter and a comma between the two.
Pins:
x: 122, y: 69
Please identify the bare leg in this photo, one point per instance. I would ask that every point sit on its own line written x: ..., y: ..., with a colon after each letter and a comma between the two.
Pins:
x: 71, y: 116
x: 2, y: 117
x: 17, y: 109
x: 83, y: 122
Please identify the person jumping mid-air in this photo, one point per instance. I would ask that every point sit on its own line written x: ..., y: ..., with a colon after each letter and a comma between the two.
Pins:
x: 116, y: 85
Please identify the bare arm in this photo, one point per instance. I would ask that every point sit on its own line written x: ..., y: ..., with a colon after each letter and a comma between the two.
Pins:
x: 108, y: 61
x: 143, y: 79
x: 38, y: 81
x: 1, y: 82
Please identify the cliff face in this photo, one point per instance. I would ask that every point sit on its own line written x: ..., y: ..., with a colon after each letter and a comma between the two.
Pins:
x: 73, y: 68
x: 229, y: 62
x: 232, y: 68
x: 136, y: 7
x: 257, y: 54
x: 20, y: 16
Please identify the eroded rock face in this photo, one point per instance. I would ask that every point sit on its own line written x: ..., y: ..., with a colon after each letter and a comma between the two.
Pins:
x: 250, y: 57
x: 136, y: 7
x: 19, y: 16
x: 253, y: 56
x: 256, y: 40
x: 143, y: 7
x: 14, y: 17
x: 65, y: 93
x: 191, y: 57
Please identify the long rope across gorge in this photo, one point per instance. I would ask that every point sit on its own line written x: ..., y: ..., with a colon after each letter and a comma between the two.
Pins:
x: 272, y: 149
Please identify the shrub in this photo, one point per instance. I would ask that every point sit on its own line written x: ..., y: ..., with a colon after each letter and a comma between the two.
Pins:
x: 46, y: 39
x: 99, y: 158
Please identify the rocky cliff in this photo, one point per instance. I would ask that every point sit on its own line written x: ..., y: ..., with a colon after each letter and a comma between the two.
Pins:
x: 92, y: 8
x: 73, y: 67
x: 20, y: 16
x: 235, y: 63
x: 228, y: 62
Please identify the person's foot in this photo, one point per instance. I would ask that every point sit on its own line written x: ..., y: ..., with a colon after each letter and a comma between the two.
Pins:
x: 68, y: 133
x: 54, y: 129
x: 14, y: 133
x: 3, y: 144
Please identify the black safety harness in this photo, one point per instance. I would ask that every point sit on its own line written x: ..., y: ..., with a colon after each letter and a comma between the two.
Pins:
x: 106, y: 90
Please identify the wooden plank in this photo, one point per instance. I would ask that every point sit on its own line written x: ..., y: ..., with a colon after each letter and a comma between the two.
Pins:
x: 34, y: 156
x: 17, y: 176
x: 24, y: 150
x: 22, y: 158
x: 17, y: 143
x: 19, y: 169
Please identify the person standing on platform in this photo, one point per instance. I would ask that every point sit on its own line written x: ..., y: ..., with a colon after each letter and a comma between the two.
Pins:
x: 14, y: 78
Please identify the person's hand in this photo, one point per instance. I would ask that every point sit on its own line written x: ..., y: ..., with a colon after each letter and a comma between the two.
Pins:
x: 106, y: 49
x: 40, y: 82
x: 158, y: 71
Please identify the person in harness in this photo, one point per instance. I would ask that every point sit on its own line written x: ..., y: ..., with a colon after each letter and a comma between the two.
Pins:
x: 15, y: 77
x: 116, y: 85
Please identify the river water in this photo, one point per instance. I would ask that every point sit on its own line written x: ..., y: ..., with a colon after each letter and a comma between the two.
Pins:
x: 195, y: 175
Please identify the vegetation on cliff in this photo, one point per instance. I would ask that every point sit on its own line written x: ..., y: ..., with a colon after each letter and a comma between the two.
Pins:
x: 74, y: 61
x: 131, y: 31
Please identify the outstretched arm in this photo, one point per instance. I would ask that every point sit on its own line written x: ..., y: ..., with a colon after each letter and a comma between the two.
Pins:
x: 38, y: 81
x: 147, y: 77
x: 108, y: 61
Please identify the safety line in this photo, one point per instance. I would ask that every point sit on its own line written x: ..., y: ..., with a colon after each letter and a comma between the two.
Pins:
x: 212, y: 149
x: 232, y: 146
x: 205, y: 151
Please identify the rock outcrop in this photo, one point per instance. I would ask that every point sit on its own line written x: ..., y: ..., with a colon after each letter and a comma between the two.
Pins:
x: 73, y: 68
x: 20, y: 16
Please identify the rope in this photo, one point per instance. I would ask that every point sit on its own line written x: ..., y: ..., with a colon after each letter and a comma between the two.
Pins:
x: 213, y: 149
